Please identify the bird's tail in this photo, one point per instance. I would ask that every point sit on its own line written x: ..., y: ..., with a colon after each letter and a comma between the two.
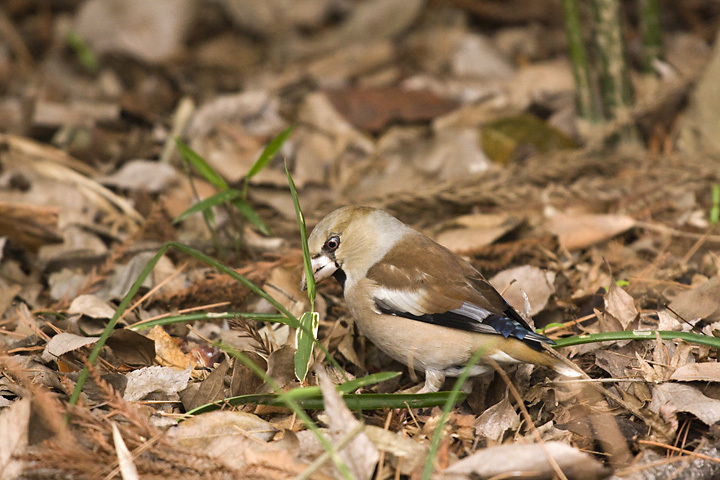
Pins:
x: 521, y: 352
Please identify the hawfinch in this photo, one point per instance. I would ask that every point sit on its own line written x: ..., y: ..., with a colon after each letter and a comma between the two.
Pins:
x: 417, y: 301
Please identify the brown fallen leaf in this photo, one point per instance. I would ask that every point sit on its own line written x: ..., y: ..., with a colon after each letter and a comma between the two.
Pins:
x: 671, y: 398
x: 14, y: 422
x: 620, y: 305
x: 697, y: 372
x: 537, y: 284
x: 167, y: 351
x: 373, y: 108
x: 470, y: 232
x: 360, y: 455
x: 529, y: 461
x: 576, y: 231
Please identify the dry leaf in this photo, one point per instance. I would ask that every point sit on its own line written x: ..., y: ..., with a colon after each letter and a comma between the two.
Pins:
x: 167, y: 351
x: 471, y: 232
x: 576, y: 231
x: 63, y: 343
x: 537, y: 284
x: 14, y: 422
x: 699, y: 303
x: 670, y: 398
x: 620, y: 305
x: 360, y: 455
x: 412, y: 451
x: 197, y: 431
x: 698, y: 372
x: 155, y: 379
x: 91, y: 306
x: 527, y: 461
x: 496, y: 420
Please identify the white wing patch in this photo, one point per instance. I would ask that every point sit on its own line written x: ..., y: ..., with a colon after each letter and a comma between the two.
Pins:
x: 473, y: 311
x: 414, y: 303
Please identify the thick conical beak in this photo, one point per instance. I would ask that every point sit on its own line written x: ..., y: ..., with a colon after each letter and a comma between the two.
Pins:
x: 323, y: 267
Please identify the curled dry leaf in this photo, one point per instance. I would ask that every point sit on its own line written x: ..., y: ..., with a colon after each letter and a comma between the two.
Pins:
x: 91, y: 306
x: 197, y: 431
x: 620, y: 305
x: 671, y: 398
x: 528, y: 461
x: 697, y: 372
x: 699, y: 303
x: 470, y: 232
x: 496, y: 420
x: 576, y: 231
x: 63, y: 343
x: 14, y: 422
x: 360, y: 455
x: 536, y: 283
x: 155, y: 379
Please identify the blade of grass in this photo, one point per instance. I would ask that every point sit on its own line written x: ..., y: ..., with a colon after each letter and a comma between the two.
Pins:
x: 299, y: 393
x: 354, y: 401
x: 450, y: 402
x: 201, y: 165
x: 304, y: 343
x: 194, y: 317
x: 210, y: 202
x: 309, y: 277
x: 638, y: 335
x: 270, y: 151
x: 251, y: 214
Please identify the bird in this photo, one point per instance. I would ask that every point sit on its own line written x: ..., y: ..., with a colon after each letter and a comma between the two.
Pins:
x: 417, y: 301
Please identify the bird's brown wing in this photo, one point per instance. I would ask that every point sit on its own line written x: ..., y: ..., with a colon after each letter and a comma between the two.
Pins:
x: 424, y: 281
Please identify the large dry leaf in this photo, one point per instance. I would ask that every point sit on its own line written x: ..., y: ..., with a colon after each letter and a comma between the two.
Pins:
x: 620, y: 305
x: 155, y: 379
x: 209, y: 390
x: 132, y: 348
x: 470, y: 232
x: 537, y: 284
x: 671, y: 398
x: 527, y: 461
x: 63, y: 343
x: 91, y: 306
x: 360, y: 455
x: 698, y: 372
x: 197, y: 431
x: 14, y: 422
x: 699, y: 303
x: 496, y: 420
x: 168, y: 352
x: 412, y: 451
x: 576, y: 231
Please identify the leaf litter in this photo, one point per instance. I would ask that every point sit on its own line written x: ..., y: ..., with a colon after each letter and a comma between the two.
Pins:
x: 587, y: 241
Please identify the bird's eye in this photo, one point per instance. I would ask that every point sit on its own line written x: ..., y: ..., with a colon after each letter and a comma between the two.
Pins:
x: 332, y: 243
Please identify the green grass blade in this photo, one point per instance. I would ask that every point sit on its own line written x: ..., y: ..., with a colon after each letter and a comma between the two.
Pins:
x: 270, y: 151
x: 638, y: 335
x: 304, y: 343
x: 300, y: 394
x: 194, y: 317
x: 311, y: 400
x: 249, y: 212
x: 210, y: 202
x: 194, y: 159
x: 309, y: 278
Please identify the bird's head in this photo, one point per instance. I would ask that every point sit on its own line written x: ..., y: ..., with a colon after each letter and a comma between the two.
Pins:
x: 350, y: 240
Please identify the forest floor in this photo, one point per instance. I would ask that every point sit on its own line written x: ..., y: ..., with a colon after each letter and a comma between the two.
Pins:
x: 456, y: 116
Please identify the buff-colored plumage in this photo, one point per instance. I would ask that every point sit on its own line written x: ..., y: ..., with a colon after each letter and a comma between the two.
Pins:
x: 417, y: 301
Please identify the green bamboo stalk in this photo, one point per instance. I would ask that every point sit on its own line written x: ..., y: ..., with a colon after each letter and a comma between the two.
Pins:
x: 615, y: 87
x: 585, y: 99
x: 649, y: 18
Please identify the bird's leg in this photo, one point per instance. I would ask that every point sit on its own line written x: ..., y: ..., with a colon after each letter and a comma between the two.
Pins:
x: 433, y: 381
